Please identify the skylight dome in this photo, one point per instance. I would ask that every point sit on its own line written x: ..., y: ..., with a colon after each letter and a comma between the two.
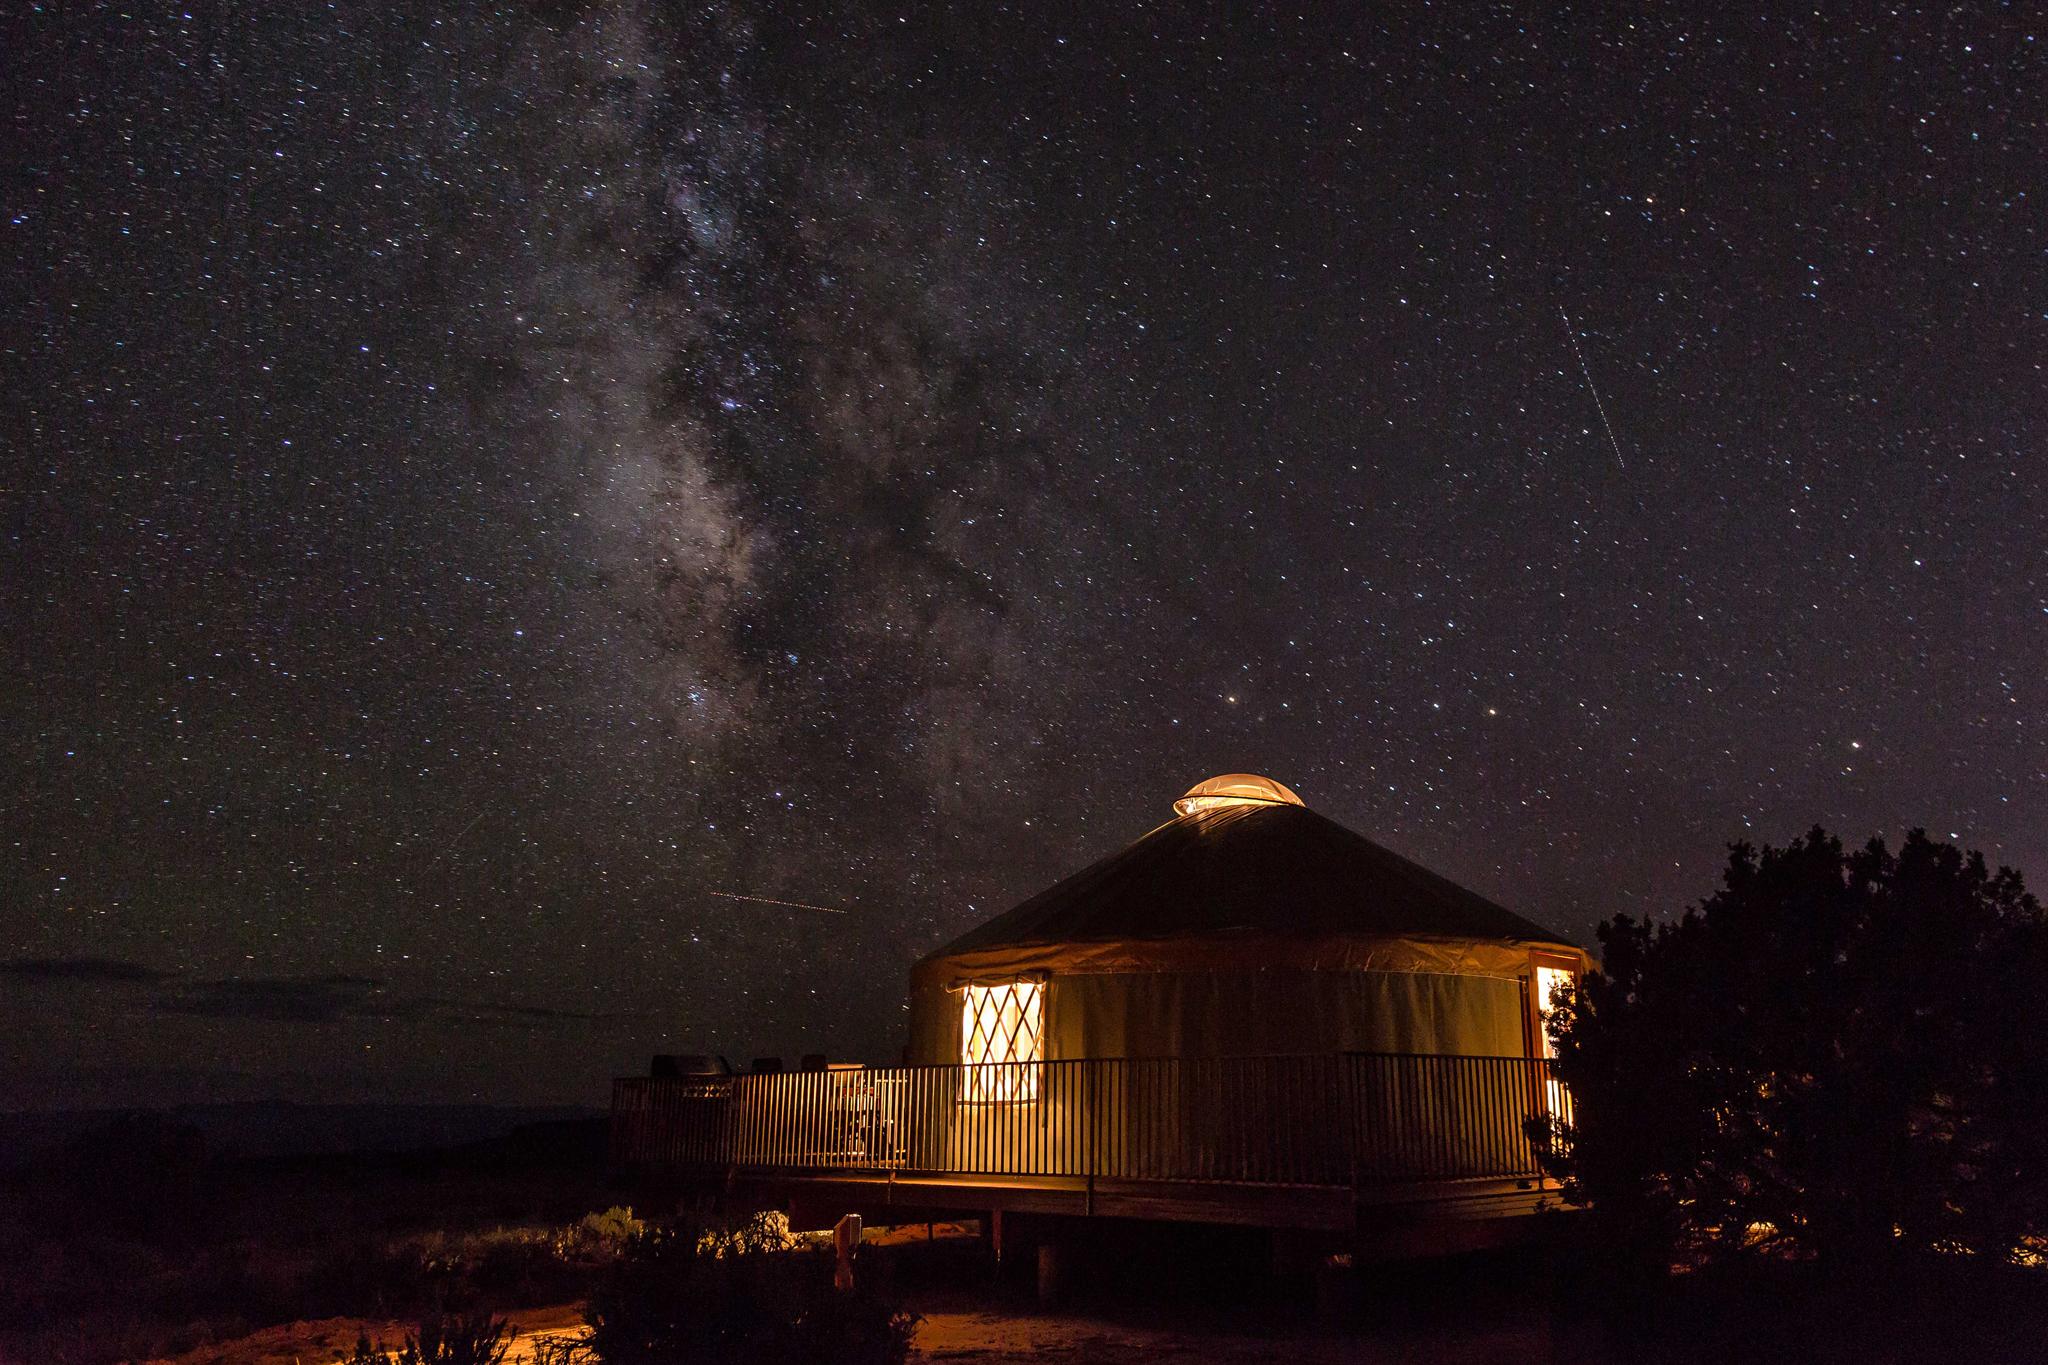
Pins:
x: 1234, y: 789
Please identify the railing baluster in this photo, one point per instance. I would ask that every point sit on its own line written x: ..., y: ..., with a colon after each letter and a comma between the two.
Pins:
x: 1330, y: 1120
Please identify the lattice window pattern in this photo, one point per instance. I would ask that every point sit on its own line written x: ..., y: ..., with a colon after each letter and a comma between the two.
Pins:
x: 1002, y: 1040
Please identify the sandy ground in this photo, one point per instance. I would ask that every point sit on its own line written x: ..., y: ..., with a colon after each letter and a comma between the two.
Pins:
x: 961, y: 1325
x: 998, y: 1338
x: 330, y: 1339
x: 981, y: 1337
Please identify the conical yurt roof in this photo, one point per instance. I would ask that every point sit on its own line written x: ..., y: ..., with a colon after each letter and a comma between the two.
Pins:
x: 1246, y: 876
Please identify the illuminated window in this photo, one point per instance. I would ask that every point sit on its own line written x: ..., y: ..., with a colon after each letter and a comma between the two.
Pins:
x: 1548, y: 981
x: 1002, y: 1040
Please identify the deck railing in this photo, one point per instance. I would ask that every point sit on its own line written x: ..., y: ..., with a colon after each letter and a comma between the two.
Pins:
x: 1338, y: 1119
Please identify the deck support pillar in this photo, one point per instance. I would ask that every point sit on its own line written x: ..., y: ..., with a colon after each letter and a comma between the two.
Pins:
x: 1335, y: 1285
x: 1049, y: 1270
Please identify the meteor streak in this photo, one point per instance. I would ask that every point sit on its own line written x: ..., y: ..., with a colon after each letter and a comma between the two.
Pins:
x: 449, y: 847
x: 770, y: 900
x: 1592, y: 388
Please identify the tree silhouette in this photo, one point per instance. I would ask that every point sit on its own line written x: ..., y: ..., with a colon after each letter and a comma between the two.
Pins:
x: 1837, y: 1056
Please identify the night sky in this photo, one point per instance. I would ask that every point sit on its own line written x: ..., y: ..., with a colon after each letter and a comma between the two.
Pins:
x: 475, y: 485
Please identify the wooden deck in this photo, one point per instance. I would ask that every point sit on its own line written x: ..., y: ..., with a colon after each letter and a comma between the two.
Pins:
x: 1320, y: 1208
x: 1337, y: 1144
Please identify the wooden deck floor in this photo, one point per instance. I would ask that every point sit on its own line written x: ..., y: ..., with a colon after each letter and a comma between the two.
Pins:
x: 1323, y: 1208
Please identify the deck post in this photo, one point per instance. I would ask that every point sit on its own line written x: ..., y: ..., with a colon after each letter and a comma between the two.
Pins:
x: 845, y: 1242
x: 1335, y: 1285
x: 1049, y: 1269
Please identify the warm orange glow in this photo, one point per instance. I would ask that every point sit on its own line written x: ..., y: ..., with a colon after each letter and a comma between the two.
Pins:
x: 1547, y: 982
x: 1235, y: 789
x: 1002, y: 1040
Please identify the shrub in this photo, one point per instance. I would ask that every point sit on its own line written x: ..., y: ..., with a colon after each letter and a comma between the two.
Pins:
x: 366, y: 1352
x: 614, y: 1227
x: 472, y: 1339
x: 1837, y: 1057
x: 763, y: 1232
x: 726, y: 1297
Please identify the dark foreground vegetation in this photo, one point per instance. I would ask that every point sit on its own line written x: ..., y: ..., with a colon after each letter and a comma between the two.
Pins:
x: 136, y: 1241
x: 1840, y: 1058
x: 755, y: 1294
x: 452, y: 1243
x: 1816, y: 1107
x: 139, y: 1239
x: 751, y: 1294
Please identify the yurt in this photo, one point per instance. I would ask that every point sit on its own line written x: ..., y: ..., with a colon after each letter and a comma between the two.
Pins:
x: 1247, y: 925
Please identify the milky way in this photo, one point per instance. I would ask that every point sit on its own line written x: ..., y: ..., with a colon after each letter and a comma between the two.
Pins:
x: 479, y: 486
x: 806, y: 458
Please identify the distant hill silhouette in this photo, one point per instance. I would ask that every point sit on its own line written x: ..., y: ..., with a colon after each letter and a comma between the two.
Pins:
x: 277, y: 1128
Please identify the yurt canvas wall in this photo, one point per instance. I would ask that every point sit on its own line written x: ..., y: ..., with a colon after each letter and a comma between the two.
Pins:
x: 1248, y: 925
x: 1260, y: 1012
